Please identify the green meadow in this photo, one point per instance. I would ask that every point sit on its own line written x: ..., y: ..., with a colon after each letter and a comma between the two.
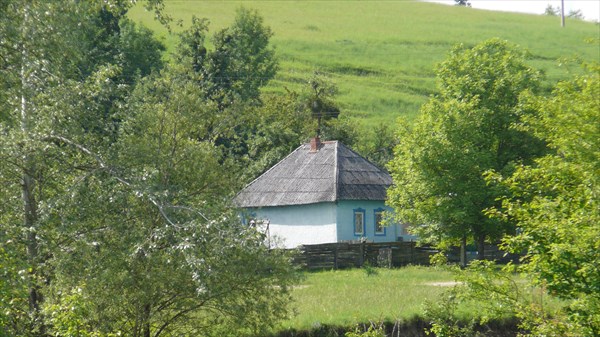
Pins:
x: 347, y: 297
x: 344, y: 298
x: 381, y: 54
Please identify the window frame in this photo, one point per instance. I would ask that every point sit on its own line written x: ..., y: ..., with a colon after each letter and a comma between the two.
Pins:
x: 383, y: 228
x: 362, y: 213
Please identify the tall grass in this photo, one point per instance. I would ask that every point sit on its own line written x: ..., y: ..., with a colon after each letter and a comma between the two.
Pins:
x: 381, y: 54
x: 347, y: 297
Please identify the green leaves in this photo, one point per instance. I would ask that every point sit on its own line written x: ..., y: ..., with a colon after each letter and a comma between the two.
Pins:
x: 239, y: 65
x: 462, y: 133
x: 126, y: 228
x: 555, y: 200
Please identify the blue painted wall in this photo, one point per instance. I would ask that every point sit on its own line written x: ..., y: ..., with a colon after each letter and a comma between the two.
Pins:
x: 345, y: 221
x: 324, y: 222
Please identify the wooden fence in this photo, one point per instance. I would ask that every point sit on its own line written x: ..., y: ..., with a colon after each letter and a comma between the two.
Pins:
x: 343, y: 255
x: 349, y: 255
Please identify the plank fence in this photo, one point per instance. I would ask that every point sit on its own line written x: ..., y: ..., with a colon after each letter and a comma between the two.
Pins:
x: 354, y: 255
x: 343, y: 255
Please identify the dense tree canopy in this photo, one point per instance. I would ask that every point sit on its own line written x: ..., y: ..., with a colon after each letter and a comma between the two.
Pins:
x: 555, y: 202
x: 461, y: 133
x: 114, y: 212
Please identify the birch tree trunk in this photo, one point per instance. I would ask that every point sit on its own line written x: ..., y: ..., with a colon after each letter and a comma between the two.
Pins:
x: 30, y: 207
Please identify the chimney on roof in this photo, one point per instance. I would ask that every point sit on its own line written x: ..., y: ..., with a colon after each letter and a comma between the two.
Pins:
x: 315, y: 144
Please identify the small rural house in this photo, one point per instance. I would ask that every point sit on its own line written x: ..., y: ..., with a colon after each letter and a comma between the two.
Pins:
x: 322, y: 192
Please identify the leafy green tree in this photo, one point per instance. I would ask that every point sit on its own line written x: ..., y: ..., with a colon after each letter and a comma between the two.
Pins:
x: 378, y: 144
x: 240, y: 62
x: 269, y: 131
x: 466, y: 130
x: 555, y: 201
x: 35, y: 69
x: 551, y: 10
x: 230, y: 75
x: 115, y: 224
x: 319, y: 100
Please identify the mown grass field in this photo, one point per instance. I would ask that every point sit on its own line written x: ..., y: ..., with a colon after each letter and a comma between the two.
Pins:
x: 347, y: 297
x: 381, y: 54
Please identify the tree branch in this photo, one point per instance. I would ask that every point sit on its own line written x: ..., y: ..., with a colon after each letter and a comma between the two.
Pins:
x: 104, y: 166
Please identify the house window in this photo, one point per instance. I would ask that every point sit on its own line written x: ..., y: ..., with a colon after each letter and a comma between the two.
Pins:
x: 359, y: 222
x: 379, y: 227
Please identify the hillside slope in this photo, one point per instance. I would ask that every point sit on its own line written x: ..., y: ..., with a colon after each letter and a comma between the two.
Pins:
x: 381, y: 54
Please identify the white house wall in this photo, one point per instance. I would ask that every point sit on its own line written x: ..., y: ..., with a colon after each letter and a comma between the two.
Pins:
x: 345, y: 223
x: 295, y: 225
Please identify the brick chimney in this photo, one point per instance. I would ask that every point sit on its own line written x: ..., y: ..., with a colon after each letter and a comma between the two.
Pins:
x: 315, y: 144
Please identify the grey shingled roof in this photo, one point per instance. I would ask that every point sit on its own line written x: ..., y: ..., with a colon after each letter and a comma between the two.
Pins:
x: 335, y: 172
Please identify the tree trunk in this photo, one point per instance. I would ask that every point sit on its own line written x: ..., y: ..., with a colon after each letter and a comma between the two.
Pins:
x: 463, y: 252
x: 480, y: 246
x: 146, y: 323
x: 30, y: 210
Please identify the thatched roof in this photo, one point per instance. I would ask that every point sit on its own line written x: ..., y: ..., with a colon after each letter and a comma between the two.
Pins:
x: 334, y: 172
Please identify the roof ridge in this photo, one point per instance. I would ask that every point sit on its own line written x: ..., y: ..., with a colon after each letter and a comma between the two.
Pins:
x: 336, y: 171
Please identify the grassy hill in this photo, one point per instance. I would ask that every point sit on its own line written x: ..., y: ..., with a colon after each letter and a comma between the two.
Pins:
x: 381, y: 54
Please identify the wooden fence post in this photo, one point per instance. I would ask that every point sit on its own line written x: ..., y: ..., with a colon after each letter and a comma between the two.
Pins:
x: 335, y: 258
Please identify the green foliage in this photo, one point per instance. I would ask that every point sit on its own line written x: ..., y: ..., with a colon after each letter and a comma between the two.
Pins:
x: 271, y: 131
x: 370, y: 270
x: 319, y: 100
x: 374, y: 330
x: 468, y: 129
x: 555, y: 201
x: 497, y: 293
x: 377, y: 144
x: 551, y: 10
x: 575, y: 14
x: 70, y: 317
x: 115, y: 215
x: 239, y: 65
x: 253, y: 131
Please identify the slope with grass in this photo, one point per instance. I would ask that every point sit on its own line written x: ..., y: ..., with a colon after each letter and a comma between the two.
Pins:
x: 382, y: 54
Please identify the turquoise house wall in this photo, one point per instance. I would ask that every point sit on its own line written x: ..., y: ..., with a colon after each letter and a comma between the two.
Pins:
x: 326, y: 222
x: 345, y: 221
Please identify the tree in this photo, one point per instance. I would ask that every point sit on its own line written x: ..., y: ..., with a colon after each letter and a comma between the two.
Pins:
x: 272, y: 129
x: 90, y: 218
x: 575, y: 14
x: 551, y: 10
x: 240, y: 63
x: 555, y: 202
x: 157, y: 251
x: 319, y: 100
x: 378, y: 145
x: 230, y: 75
x: 34, y: 70
x: 461, y: 133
